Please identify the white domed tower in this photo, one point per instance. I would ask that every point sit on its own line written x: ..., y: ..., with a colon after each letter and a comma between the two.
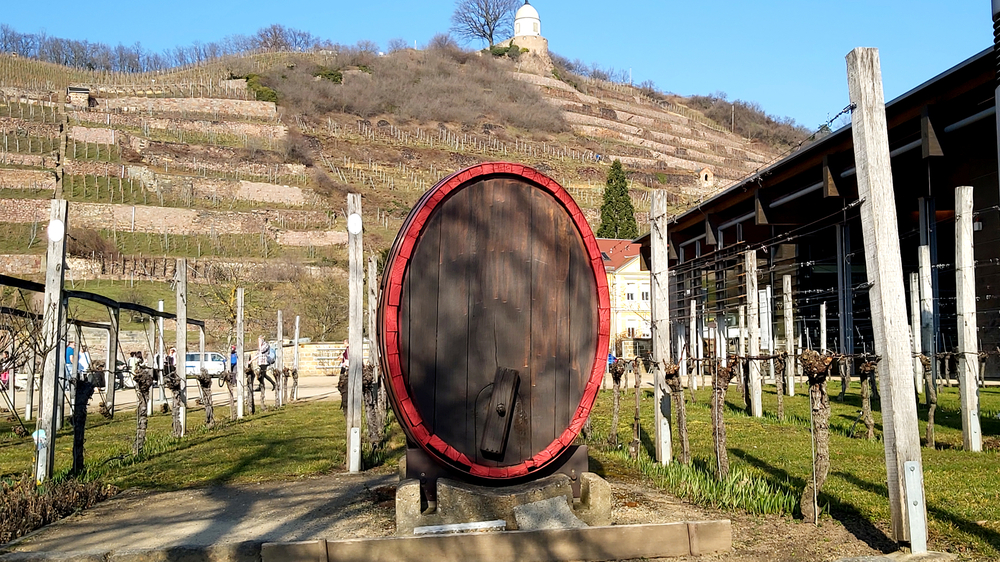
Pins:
x: 526, y: 22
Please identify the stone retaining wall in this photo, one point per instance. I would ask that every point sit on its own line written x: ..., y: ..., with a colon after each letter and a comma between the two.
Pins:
x: 238, y: 128
x: 234, y: 108
x: 93, y: 135
x: 26, y: 179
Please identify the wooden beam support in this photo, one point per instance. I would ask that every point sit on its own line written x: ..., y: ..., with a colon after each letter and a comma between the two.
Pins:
x: 829, y: 181
x: 279, y: 363
x: 929, y: 143
x: 968, y: 348
x: 885, y: 273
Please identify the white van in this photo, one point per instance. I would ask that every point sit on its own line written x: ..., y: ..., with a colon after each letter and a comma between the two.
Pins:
x: 215, y: 363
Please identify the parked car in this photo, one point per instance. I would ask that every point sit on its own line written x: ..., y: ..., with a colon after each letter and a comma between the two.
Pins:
x: 215, y: 363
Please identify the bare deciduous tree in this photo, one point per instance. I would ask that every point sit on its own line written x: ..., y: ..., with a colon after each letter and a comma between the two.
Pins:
x: 482, y: 19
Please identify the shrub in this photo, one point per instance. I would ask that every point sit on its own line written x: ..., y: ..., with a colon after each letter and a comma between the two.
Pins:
x: 84, y: 242
x: 261, y: 92
x: 330, y: 74
x: 23, y: 508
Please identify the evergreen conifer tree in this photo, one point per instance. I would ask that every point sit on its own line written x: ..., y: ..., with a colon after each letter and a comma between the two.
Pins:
x: 617, y: 212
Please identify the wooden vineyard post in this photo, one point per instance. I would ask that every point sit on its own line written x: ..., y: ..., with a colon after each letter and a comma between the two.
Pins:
x: 295, y: 362
x: 695, y: 343
x: 786, y: 306
x: 918, y: 366
x: 822, y: 328
x: 753, y: 321
x: 355, y: 297
x: 180, y: 363
x: 927, y: 335
x: 885, y: 274
x: 240, y: 359
x: 968, y: 348
x: 109, y: 377
x: 55, y: 257
x: 660, y: 320
x: 279, y: 363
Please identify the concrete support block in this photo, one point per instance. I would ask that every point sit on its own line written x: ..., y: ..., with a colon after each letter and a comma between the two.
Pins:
x: 594, y: 507
x: 708, y: 537
x: 459, y: 502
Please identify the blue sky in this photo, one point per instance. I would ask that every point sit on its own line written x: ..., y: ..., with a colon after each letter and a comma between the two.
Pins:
x: 787, y: 55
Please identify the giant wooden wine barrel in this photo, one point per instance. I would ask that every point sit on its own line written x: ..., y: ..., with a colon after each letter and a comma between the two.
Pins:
x: 495, y: 321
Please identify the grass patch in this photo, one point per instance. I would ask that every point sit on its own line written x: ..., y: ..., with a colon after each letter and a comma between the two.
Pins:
x: 770, y: 459
x: 774, y: 458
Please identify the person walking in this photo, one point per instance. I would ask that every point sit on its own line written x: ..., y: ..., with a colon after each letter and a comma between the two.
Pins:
x: 263, y: 360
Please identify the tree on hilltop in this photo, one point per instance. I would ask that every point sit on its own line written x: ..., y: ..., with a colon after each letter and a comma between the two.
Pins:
x: 617, y: 212
x: 482, y: 19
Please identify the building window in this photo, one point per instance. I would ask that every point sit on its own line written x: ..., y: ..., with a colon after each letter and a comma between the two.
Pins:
x: 632, y: 326
x: 630, y: 292
x: 517, y: 28
x: 645, y: 292
x: 536, y: 26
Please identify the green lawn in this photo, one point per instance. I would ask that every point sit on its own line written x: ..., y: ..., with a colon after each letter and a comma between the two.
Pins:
x: 962, y: 489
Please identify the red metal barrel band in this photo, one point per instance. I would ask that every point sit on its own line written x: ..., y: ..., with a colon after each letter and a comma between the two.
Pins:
x: 393, y: 286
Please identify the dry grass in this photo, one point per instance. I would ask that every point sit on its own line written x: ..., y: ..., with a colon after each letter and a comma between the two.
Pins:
x: 444, y: 85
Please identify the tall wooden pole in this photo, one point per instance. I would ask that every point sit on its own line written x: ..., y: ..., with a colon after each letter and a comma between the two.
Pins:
x: 786, y: 309
x: 295, y: 356
x: 927, y: 336
x: 918, y: 366
x: 822, y: 328
x: 55, y: 256
x: 355, y: 311
x: 885, y: 273
x: 181, y: 346
x: 741, y: 349
x: 968, y: 348
x: 109, y: 379
x: 279, y: 363
x: 160, y: 346
x: 695, y: 339
x: 660, y: 322
x: 240, y: 359
x: 753, y: 322
x: 373, y: 287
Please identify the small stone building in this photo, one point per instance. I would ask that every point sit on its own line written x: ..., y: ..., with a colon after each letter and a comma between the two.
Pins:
x: 78, y: 96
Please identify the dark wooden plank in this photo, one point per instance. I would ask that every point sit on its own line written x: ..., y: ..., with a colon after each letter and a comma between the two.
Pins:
x: 583, y: 321
x: 452, y: 413
x: 519, y: 303
x: 482, y: 348
x: 562, y: 408
x: 500, y: 413
x: 544, y: 291
x: 423, y: 298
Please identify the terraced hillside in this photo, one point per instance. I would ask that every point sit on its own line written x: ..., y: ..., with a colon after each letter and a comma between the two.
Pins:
x: 190, y: 163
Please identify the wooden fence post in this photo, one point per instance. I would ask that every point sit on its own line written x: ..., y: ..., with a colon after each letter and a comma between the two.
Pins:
x: 968, y: 348
x: 786, y: 309
x: 918, y: 366
x: 753, y: 321
x: 885, y: 274
x: 355, y: 296
x: 240, y: 359
x: 822, y: 328
x: 180, y: 364
x: 279, y: 363
x: 45, y: 435
x: 660, y: 323
x: 295, y: 358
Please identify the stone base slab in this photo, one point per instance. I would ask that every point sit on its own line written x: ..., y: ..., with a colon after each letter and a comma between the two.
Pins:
x: 591, y: 543
x: 459, y: 502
